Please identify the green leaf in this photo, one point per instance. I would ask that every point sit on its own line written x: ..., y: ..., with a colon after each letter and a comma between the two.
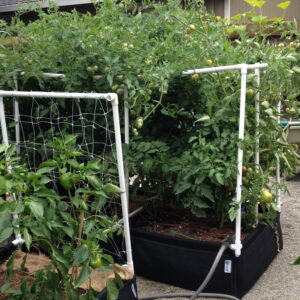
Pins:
x: 237, y: 17
x: 5, y: 219
x: 112, y: 290
x: 37, y: 209
x: 260, y: 19
x: 48, y: 163
x: 88, y: 226
x: 93, y: 165
x: 27, y: 238
x: 45, y: 180
x: 205, y: 118
x: 81, y: 254
x: 6, y: 233
x: 69, y: 231
x: 75, y: 153
x: 255, y: 3
x: 232, y: 213
x: 111, y: 188
x: 260, y: 3
x: 5, y: 287
x: 75, y: 164
x: 10, y: 266
x: 94, y: 181
x: 296, y: 69
x: 70, y: 139
x: 192, y: 139
x: 83, y: 276
x: 108, y: 258
x: 284, y: 5
x: 297, y: 261
x: 220, y: 178
x: 119, y: 280
x: 45, y: 170
x: 182, y: 187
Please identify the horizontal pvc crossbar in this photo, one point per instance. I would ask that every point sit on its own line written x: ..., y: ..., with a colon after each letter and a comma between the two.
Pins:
x: 107, y: 96
x: 225, y: 68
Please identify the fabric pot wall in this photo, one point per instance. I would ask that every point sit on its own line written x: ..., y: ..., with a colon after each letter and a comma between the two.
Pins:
x: 185, y: 263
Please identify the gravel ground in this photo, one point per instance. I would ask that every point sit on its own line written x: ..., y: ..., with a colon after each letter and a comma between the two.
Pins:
x: 281, y: 280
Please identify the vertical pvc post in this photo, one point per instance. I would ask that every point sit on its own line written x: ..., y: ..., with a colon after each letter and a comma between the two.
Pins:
x: 237, y: 246
x: 5, y: 142
x: 17, y: 117
x: 126, y: 134
x: 114, y: 101
x: 257, y: 115
x: 278, y: 192
x: 3, y: 123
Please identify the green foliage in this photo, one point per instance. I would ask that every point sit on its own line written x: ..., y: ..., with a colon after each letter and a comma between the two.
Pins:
x: 59, y: 219
x: 297, y: 261
x: 185, y: 128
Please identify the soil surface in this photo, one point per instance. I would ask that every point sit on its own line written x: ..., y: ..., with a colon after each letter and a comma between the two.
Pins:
x: 15, y: 281
x: 182, y: 224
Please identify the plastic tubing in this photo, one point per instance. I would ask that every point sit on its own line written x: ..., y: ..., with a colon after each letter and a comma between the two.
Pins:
x: 187, y: 295
x: 210, y: 273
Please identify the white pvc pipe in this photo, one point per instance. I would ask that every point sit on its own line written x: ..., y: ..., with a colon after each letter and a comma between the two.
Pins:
x: 54, y: 75
x: 62, y: 95
x: 17, y: 117
x: 227, y: 10
x: 3, y: 123
x: 126, y: 136
x: 237, y: 246
x: 278, y: 191
x: 257, y: 115
x: 9, y: 198
x: 225, y: 68
x: 50, y: 75
x: 120, y: 162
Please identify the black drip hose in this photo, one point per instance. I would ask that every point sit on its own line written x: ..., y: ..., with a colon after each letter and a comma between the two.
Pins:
x: 198, y: 293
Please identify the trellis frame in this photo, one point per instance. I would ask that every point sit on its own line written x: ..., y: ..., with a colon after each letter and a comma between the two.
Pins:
x: 113, y: 99
x: 237, y: 245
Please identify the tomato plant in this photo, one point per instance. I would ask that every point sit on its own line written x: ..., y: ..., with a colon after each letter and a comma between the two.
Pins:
x: 184, y: 129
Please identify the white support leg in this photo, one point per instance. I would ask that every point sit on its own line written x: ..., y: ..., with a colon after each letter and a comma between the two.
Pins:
x: 17, y: 117
x: 119, y: 151
x: 278, y: 191
x: 6, y: 143
x: 126, y: 133
x: 257, y: 115
x: 237, y: 246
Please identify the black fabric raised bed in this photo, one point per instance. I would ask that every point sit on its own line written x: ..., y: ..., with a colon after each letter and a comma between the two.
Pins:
x: 185, y: 263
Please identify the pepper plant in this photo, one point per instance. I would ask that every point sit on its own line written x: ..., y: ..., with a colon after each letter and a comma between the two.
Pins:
x: 60, y: 213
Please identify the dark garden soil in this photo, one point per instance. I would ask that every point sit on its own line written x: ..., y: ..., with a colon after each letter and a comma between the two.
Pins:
x: 15, y: 281
x: 182, y: 224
